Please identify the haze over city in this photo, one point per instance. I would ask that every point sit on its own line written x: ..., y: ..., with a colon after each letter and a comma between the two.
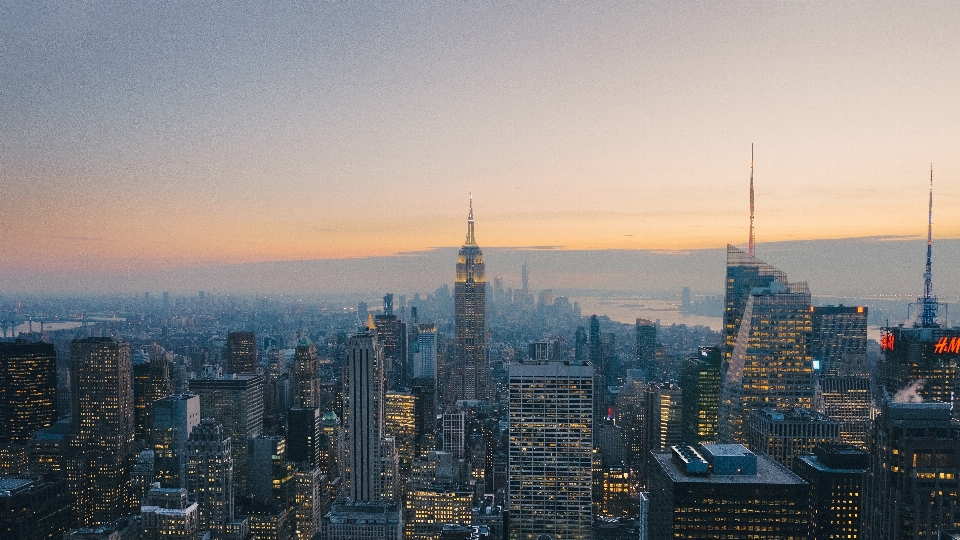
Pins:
x: 144, y: 142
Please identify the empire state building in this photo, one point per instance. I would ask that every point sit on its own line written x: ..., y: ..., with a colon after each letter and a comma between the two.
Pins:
x: 470, y: 323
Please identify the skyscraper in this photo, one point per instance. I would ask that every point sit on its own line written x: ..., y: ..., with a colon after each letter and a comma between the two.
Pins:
x: 210, y: 475
x: 236, y: 403
x: 101, y: 429
x: 28, y: 390
x: 744, y: 272
x: 550, y: 451
x: 306, y: 385
x: 363, y: 417
x: 425, y: 360
x: 242, y: 352
x: 174, y: 417
x: 700, y: 381
x: 770, y: 364
x: 392, y: 338
x: 470, y: 326
x: 836, y: 474
x: 914, y: 475
x: 646, y: 346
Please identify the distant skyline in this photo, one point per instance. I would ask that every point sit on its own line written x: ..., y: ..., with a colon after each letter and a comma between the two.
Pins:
x: 141, y: 138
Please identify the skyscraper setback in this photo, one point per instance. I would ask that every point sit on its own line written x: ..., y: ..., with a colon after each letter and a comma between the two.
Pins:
x: 470, y: 324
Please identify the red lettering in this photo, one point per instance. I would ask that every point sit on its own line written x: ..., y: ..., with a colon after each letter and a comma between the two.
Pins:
x: 941, y: 345
x: 955, y: 345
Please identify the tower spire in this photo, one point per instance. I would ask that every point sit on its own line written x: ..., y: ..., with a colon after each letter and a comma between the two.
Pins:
x: 752, y: 239
x: 928, y: 304
x: 471, y: 241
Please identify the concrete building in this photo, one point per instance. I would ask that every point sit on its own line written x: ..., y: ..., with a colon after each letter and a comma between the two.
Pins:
x: 784, y: 433
x: 470, y: 323
x: 836, y: 474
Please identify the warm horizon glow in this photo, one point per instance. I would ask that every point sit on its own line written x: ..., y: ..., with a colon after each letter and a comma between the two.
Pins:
x: 176, y: 135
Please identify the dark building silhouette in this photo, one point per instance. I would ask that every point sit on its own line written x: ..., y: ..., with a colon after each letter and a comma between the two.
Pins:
x: 914, y: 478
x: 241, y: 352
x: 700, y: 383
x: 836, y: 474
x: 303, y: 435
x: 646, y: 347
x: 28, y: 390
x: 34, y: 508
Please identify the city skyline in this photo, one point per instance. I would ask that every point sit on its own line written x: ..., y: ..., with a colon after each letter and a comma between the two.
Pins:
x: 141, y: 140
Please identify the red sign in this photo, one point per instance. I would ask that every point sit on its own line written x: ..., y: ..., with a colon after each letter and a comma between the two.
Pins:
x: 886, y: 341
x: 947, y: 345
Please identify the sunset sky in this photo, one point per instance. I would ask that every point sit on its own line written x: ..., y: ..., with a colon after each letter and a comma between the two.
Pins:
x: 181, y: 133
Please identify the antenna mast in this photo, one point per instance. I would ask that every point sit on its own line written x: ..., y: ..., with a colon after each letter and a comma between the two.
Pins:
x: 928, y: 303
x: 752, y: 240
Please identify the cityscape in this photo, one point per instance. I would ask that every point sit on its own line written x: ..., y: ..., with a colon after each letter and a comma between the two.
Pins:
x: 423, y: 271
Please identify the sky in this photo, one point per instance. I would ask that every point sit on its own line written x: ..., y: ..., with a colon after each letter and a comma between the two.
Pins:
x: 137, y: 138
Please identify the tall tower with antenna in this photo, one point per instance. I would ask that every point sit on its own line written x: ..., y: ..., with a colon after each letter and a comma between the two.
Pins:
x: 470, y: 326
x: 750, y: 251
x: 928, y: 303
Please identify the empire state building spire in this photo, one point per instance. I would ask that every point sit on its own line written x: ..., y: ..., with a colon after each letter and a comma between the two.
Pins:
x: 471, y: 240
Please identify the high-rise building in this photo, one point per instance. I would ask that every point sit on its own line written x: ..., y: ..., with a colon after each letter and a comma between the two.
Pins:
x: 744, y: 272
x: 581, y: 348
x: 922, y: 361
x: 236, y: 403
x: 839, y: 340
x: 153, y: 379
x: 174, y: 417
x: 303, y: 436
x: 306, y: 385
x: 770, y: 364
x: 392, y: 338
x: 662, y: 418
x: 646, y: 346
x: 914, y: 480
x: 270, y: 480
x: 34, y: 508
x: 308, y: 504
x: 726, y: 491
x: 453, y: 429
x: 550, y: 450
x: 470, y: 325
x: 400, y: 415
x: 363, y: 417
x: 28, y: 389
x: 425, y: 360
x: 241, y: 352
x: 836, y: 474
x: 783, y: 433
x: 210, y: 475
x: 425, y: 392
x: 700, y: 382
x: 427, y: 509
x: 848, y: 399
x: 102, y: 429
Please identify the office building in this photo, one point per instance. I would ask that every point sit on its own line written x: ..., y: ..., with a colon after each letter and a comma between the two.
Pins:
x: 303, y: 436
x: 470, y: 326
x: 726, y: 491
x: 744, y: 273
x: 662, y: 419
x: 550, y: 450
x: 646, y: 347
x: 241, y: 353
x: 914, y: 478
x: 770, y: 365
x: 424, y: 391
x: 428, y: 509
x: 392, y: 337
x: 210, y: 475
x: 270, y: 479
x: 28, y: 390
x: 836, y: 475
x: 102, y: 429
x: 700, y: 383
x: 401, y: 424
x: 425, y: 359
x: 167, y: 514
x: 152, y: 380
x: 363, y: 520
x: 454, y: 432
x: 783, y: 433
x: 839, y: 340
x: 236, y: 403
x: 174, y: 417
x: 848, y: 399
x: 306, y: 365
x: 922, y: 361
x: 34, y: 508
x: 363, y: 418
x: 309, y: 502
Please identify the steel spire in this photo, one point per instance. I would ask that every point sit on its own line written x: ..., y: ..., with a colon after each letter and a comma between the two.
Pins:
x: 471, y: 241
x: 928, y: 303
x: 750, y: 251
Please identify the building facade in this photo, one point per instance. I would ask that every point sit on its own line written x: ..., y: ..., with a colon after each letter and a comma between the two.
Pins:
x: 28, y: 389
x: 550, y: 451
x: 470, y: 323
